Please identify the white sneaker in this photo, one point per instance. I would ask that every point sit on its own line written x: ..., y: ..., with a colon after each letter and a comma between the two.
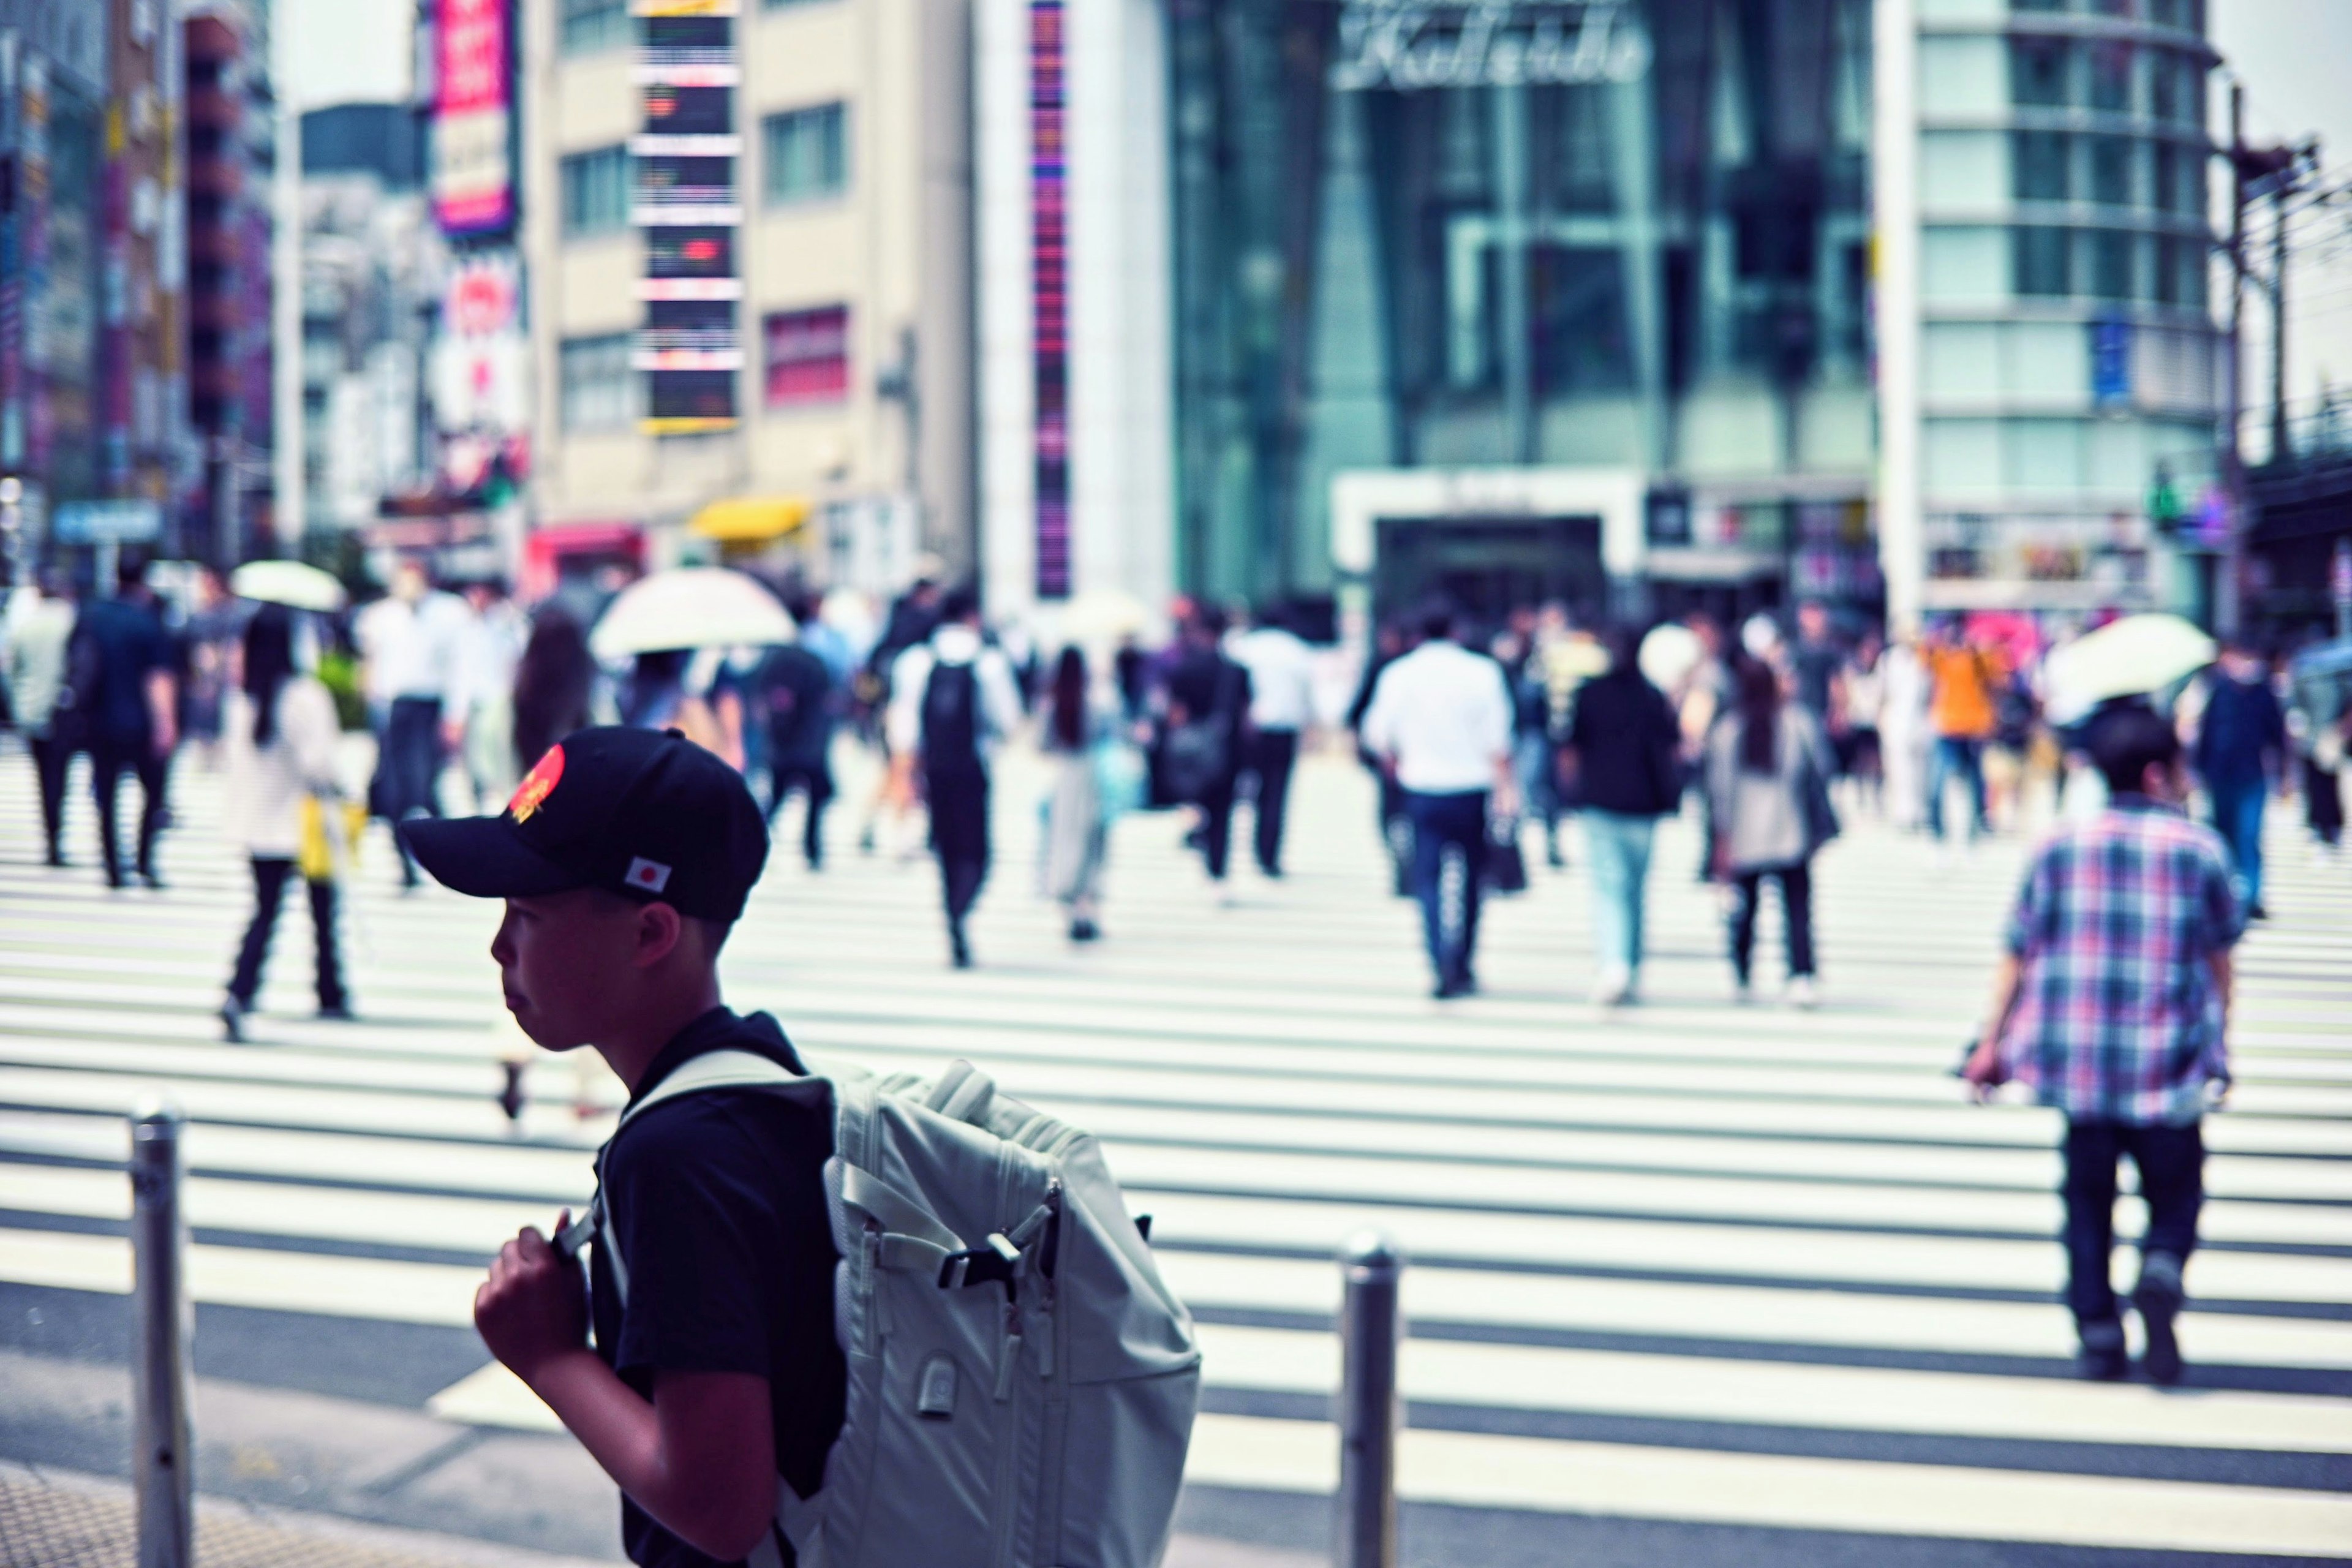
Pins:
x: 1616, y: 987
x: 1801, y: 993
x: 1742, y: 993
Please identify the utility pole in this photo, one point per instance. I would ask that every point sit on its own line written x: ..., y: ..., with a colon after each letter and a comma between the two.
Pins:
x: 2224, y: 607
x: 2280, y: 187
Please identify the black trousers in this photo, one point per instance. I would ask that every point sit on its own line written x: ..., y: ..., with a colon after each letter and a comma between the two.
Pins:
x: 1268, y: 756
x: 52, y: 754
x: 2171, y: 1163
x: 1216, y: 804
x: 270, y: 876
x: 1449, y: 858
x: 958, y: 804
x: 814, y: 779
x: 1796, y: 907
x: 110, y: 758
x: 2323, y: 805
x: 409, y: 767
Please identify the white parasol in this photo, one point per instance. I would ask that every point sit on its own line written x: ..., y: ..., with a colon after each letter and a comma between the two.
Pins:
x: 288, y: 583
x: 2129, y: 657
x: 1669, y: 654
x: 1103, y: 615
x: 691, y: 607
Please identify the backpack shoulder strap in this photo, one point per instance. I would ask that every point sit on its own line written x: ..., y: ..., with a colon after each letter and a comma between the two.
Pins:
x: 714, y: 1069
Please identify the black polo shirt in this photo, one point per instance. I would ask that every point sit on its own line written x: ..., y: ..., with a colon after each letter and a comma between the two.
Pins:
x: 716, y: 1202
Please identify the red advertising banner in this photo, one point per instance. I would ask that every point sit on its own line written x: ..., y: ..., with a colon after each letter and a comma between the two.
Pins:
x: 472, y: 172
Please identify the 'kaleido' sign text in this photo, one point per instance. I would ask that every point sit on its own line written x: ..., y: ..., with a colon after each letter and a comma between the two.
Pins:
x: 1406, y: 46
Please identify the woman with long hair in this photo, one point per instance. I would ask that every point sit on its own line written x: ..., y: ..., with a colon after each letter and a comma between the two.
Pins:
x: 280, y: 729
x: 1077, y: 825
x: 1767, y: 767
x: 555, y: 685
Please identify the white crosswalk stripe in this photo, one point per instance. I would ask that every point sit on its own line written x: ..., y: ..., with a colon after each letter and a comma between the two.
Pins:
x: 1738, y: 1267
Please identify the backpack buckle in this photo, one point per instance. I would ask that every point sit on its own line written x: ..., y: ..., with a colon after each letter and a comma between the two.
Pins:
x: 995, y: 1260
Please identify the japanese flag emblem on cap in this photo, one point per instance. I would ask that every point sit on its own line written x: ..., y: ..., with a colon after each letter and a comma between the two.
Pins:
x: 648, y: 876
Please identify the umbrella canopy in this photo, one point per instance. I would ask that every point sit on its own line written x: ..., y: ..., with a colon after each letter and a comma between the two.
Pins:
x: 1669, y: 654
x: 2129, y: 657
x: 686, y: 607
x: 288, y: 583
x: 1104, y: 615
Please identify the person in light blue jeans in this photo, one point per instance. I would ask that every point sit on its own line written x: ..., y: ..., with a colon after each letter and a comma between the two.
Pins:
x: 1623, y: 759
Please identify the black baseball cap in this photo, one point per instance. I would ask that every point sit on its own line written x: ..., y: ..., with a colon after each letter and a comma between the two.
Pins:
x: 643, y: 813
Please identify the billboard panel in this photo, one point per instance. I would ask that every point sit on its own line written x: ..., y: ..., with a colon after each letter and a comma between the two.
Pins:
x: 473, y: 104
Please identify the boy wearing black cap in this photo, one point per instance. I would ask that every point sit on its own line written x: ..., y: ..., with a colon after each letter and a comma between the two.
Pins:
x: 625, y: 858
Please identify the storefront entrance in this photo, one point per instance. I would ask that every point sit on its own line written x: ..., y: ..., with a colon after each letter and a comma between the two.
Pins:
x: 1489, y: 566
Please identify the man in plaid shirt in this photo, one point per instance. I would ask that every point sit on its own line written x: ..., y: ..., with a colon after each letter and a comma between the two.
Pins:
x: 2113, y: 1004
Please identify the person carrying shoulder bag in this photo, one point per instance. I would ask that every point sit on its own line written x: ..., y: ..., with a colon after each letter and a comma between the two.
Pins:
x: 1768, y: 768
x: 280, y: 732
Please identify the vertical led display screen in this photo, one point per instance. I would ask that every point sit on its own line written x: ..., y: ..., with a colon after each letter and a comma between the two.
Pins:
x: 473, y: 102
x: 1049, y: 263
x: 689, y: 205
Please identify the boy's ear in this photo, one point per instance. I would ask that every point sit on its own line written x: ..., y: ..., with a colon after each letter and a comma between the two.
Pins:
x: 660, y: 928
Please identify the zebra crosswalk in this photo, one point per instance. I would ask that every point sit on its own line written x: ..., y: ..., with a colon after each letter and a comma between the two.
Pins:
x: 1753, y: 1273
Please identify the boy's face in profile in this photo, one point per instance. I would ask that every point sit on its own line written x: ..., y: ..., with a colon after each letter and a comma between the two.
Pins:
x: 565, y: 962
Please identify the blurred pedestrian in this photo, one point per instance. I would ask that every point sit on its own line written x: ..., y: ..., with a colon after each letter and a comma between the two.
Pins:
x: 119, y: 664
x: 1623, y: 746
x: 2113, y: 1004
x: 1963, y: 678
x: 1904, y: 736
x: 1520, y: 651
x: 952, y: 701
x: 1077, y: 817
x: 1860, y: 753
x: 798, y: 701
x: 1440, y: 719
x: 914, y: 615
x: 280, y: 729
x: 1767, y: 771
x: 1817, y: 664
x: 1209, y: 699
x: 40, y: 629
x: 208, y: 644
x: 411, y: 640
x: 2240, y: 747
x: 554, y: 684
x: 1390, y: 643
x: 691, y: 691
x: 1282, y: 706
x: 480, y: 725
x: 2317, y: 720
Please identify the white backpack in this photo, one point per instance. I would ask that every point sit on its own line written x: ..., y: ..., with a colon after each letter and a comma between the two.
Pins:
x: 1022, y: 1382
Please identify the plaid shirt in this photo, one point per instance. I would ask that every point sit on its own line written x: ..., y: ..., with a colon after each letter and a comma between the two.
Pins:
x: 2117, y: 1017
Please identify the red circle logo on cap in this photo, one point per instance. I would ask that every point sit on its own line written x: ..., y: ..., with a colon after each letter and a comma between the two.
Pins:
x: 537, y: 785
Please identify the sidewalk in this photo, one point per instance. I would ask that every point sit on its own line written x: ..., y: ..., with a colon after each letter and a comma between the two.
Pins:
x: 62, y: 1519
x: 281, y: 1473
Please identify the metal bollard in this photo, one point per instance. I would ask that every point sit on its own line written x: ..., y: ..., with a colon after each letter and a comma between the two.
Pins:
x: 1370, y: 1325
x: 161, y: 1456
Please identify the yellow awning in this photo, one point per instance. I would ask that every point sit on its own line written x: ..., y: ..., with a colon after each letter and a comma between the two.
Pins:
x: 751, y: 519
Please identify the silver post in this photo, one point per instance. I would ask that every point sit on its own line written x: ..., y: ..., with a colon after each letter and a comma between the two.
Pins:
x: 162, y: 1460
x: 1370, y: 1326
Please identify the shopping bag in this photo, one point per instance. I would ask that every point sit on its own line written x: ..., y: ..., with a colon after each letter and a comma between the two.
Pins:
x: 1505, y: 869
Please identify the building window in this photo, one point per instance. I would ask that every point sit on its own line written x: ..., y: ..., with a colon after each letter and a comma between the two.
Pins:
x: 2038, y: 71
x: 808, y: 356
x: 2111, y: 78
x: 2111, y: 162
x: 2111, y: 263
x: 2038, y: 166
x: 595, y: 191
x: 807, y: 153
x: 600, y: 391
x: 2038, y: 259
x: 787, y: 4
x: 593, y: 25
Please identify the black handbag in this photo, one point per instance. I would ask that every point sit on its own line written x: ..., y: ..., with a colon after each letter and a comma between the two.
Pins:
x: 1821, y: 816
x: 1505, y: 871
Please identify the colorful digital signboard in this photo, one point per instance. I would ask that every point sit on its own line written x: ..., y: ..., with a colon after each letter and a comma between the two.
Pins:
x: 473, y: 109
x: 1049, y: 261
x: 688, y: 204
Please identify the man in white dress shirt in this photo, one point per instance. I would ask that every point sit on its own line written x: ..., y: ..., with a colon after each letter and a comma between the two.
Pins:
x: 1282, y: 704
x: 1439, y: 720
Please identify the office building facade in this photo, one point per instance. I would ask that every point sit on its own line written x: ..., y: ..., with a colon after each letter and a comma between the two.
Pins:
x: 747, y: 247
